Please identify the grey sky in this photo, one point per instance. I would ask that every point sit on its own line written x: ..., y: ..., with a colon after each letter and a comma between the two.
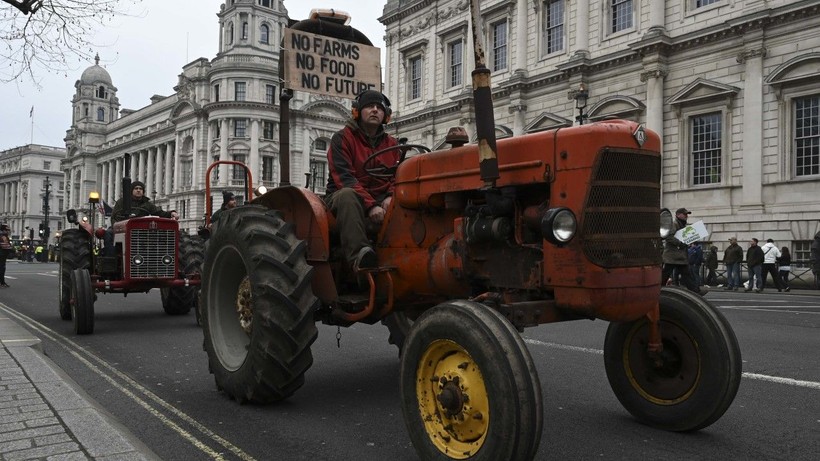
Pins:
x: 144, y: 54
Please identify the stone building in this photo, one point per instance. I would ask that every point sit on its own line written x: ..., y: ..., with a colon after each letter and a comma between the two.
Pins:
x: 24, y: 173
x: 224, y: 108
x: 730, y: 85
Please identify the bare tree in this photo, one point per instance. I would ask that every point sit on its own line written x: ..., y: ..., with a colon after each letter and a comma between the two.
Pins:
x: 50, y: 34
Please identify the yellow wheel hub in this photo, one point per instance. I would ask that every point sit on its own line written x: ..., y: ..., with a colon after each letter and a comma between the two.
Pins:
x: 452, y: 399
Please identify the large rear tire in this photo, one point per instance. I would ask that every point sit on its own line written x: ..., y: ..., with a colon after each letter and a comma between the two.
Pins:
x: 82, y: 302
x: 180, y: 300
x: 469, y: 387
x: 257, y: 306
x: 696, y: 377
x: 74, y: 253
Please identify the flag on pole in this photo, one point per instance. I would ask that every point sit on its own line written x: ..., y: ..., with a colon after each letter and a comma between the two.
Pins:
x: 31, y: 112
x: 105, y: 208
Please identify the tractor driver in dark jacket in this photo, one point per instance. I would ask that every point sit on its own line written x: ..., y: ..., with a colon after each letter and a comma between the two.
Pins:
x: 140, y: 206
x: 353, y: 195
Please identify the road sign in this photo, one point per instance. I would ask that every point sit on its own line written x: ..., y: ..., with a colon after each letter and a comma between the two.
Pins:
x: 330, y: 66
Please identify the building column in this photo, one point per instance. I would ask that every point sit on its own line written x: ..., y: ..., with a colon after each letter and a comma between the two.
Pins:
x: 144, y: 172
x: 150, y: 172
x: 168, y: 169
x: 223, y: 152
x: 521, y: 22
x: 112, y: 181
x: 253, y: 157
x: 752, y: 179
x: 519, y: 112
x: 118, y: 165
x: 582, y: 29
x: 102, y: 185
x: 657, y: 16
x: 177, y: 144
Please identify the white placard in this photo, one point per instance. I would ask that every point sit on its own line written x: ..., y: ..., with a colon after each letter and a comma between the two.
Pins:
x: 694, y: 232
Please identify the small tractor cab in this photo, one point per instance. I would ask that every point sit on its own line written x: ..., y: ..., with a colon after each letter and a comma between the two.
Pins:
x: 148, y: 252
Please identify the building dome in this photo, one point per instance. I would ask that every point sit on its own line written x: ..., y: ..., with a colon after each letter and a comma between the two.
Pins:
x: 95, y: 74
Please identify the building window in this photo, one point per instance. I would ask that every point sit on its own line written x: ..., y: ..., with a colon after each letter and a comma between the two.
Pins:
x: 801, y: 253
x: 217, y: 130
x: 553, y: 26
x: 61, y: 186
x: 621, y: 12
x: 85, y: 110
x: 216, y: 93
x: 414, y: 66
x: 268, y: 171
x: 100, y: 114
x: 270, y: 93
x: 318, y: 175
x: 264, y: 34
x: 60, y: 206
x: 267, y: 129
x: 700, y: 3
x: 46, y: 165
x: 807, y: 135
x: 320, y: 145
x: 239, y: 128
x: 187, y: 170
x: 706, y: 146
x: 265, y: 3
x: 455, y: 58
x: 230, y: 34
x: 238, y: 173
x: 239, y: 91
x: 101, y: 93
x: 244, y: 31
x: 499, y: 40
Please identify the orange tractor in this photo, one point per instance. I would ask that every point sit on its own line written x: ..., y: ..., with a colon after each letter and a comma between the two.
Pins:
x: 480, y: 242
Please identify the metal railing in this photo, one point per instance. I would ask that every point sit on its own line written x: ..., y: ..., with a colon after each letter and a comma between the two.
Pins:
x: 799, y: 277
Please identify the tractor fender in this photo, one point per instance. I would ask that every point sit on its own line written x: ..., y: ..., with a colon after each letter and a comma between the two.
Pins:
x: 313, y: 222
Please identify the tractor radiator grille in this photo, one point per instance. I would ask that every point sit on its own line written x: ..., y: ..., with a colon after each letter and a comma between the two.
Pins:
x: 151, y: 245
x: 622, y: 216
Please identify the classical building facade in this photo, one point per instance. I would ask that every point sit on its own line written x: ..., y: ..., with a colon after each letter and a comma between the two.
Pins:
x: 224, y: 108
x: 732, y: 86
x: 24, y: 173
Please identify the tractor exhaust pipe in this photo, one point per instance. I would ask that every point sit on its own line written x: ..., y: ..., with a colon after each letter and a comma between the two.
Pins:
x: 126, y: 185
x: 483, y: 105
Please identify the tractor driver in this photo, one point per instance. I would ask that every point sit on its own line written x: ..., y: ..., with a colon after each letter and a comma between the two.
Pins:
x: 140, y: 206
x: 353, y: 195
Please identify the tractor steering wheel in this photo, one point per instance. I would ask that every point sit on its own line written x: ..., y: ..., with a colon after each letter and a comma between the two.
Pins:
x: 387, y: 172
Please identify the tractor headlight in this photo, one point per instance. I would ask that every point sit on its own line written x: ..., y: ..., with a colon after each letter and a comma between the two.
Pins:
x: 667, y: 223
x: 559, y: 225
x: 137, y: 260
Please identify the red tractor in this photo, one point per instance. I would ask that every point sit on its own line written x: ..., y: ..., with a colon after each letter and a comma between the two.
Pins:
x: 148, y: 252
x: 480, y: 242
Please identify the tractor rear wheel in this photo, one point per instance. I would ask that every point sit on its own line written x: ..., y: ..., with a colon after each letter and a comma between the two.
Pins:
x: 257, y: 306
x: 82, y: 302
x: 74, y: 254
x: 180, y: 300
x: 469, y: 387
x: 693, y: 381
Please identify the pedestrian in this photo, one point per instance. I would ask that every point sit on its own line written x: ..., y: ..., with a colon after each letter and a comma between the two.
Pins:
x: 354, y: 196
x: 754, y: 262
x: 695, y: 261
x: 732, y: 257
x: 676, y: 256
x: 5, y: 250
x: 711, y: 261
x: 784, y: 263
x: 228, y: 202
x: 814, y: 256
x: 770, y: 256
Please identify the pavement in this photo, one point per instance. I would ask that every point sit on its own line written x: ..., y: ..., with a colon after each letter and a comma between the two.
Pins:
x: 45, y: 415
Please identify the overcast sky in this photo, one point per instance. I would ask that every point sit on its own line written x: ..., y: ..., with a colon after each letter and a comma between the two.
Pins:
x: 144, y: 54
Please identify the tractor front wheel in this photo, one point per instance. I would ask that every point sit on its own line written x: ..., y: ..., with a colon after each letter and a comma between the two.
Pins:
x: 82, y: 302
x: 257, y: 306
x: 469, y: 387
x: 74, y: 255
x: 693, y: 381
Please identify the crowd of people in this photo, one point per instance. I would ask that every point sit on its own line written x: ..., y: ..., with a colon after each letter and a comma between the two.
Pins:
x: 684, y: 265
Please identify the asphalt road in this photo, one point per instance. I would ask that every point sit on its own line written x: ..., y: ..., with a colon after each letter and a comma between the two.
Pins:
x: 149, y: 370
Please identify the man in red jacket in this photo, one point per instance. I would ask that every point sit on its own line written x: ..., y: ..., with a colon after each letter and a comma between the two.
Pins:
x: 352, y: 194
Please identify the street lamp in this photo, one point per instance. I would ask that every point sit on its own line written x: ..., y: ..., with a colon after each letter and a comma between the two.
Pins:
x: 581, y: 103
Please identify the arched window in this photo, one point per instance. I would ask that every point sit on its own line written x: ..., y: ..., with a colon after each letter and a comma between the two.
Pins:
x: 244, y: 31
x: 264, y: 34
x: 230, y: 34
x: 101, y: 93
x: 100, y: 114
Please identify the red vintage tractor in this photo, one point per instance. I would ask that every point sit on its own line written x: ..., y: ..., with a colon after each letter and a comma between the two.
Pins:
x: 480, y: 242
x: 148, y: 252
